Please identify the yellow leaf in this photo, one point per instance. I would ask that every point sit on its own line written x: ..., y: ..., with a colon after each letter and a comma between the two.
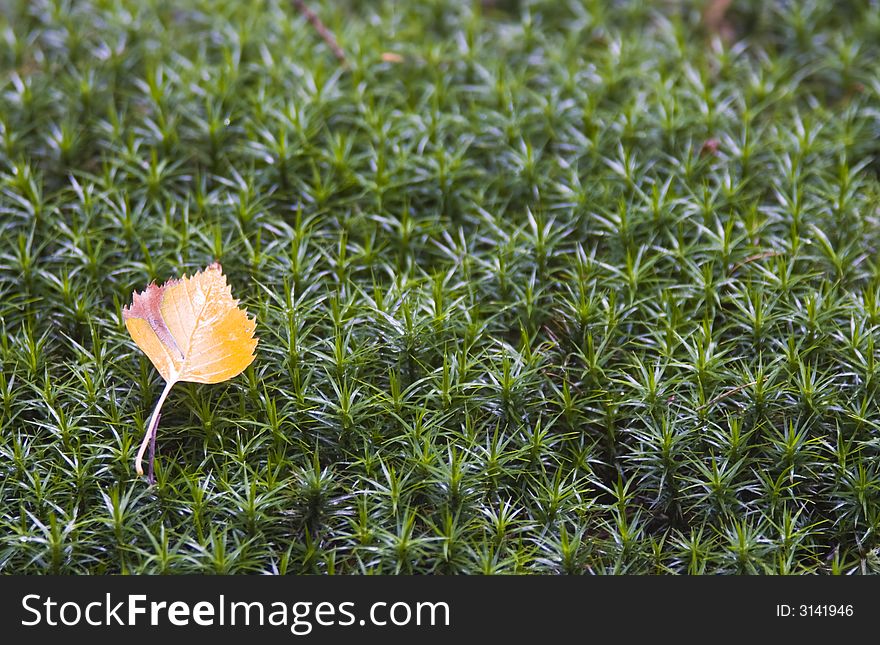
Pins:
x: 192, y: 330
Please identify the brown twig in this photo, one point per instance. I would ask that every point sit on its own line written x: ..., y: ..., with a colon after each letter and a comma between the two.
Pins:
x: 151, y: 477
x: 715, y: 18
x: 753, y: 258
x: 322, y: 30
x: 726, y: 394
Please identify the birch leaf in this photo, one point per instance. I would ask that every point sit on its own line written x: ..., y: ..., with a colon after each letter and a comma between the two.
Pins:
x: 192, y: 330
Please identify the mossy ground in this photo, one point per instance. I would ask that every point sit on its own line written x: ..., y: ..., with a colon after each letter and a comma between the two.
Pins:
x: 553, y: 287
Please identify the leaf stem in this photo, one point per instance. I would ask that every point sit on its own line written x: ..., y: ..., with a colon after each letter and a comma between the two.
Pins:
x: 152, y: 427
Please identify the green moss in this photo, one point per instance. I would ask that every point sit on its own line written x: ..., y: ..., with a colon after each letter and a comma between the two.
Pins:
x: 569, y: 287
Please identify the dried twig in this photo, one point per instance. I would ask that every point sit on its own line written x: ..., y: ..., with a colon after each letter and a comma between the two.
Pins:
x: 151, y: 476
x: 753, y: 258
x: 726, y: 394
x: 715, y: 18
x: 322, y: 30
